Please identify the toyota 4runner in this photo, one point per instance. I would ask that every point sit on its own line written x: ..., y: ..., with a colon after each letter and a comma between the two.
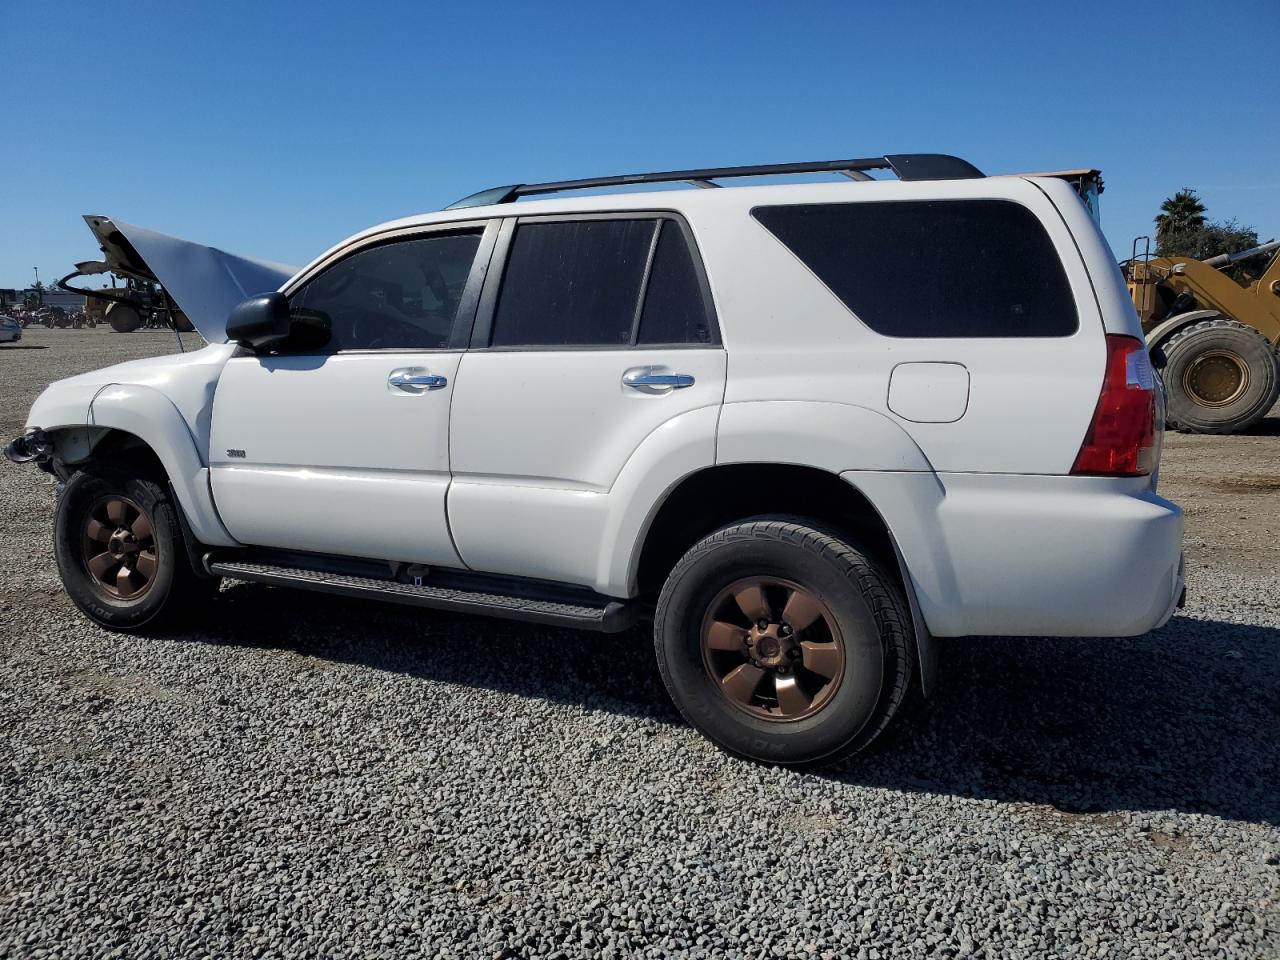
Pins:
x: 805, y: 429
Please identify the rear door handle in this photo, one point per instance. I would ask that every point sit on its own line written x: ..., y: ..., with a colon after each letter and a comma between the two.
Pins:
x: 655, y: 380
x: 412, y: 380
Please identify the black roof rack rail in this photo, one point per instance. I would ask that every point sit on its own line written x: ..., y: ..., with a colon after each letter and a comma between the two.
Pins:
x: 908, y: 166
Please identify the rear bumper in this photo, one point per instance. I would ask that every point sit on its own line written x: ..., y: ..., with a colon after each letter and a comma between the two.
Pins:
x: 1034, y: 555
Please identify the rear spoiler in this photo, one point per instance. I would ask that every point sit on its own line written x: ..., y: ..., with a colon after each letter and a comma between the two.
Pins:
x: 205, y: 282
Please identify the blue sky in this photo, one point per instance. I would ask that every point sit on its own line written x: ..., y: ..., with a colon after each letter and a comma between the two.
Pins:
x: 276, y: 129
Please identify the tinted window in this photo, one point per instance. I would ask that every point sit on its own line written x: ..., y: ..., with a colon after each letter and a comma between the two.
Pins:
x: 945, y: 268
x: 674, y: 310
x: 572, y: 284
x: 404, y: 294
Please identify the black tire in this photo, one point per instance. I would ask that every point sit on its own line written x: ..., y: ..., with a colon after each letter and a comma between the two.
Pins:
x: 873, y: 620
x: 172, y: 588
x: 1190, y: 352
x: 123, y: 316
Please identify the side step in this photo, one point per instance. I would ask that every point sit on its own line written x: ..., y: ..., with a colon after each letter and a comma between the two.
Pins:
x: 563, y: 608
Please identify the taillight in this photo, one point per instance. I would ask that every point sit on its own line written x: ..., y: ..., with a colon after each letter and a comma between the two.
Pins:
x: 1121, y: 441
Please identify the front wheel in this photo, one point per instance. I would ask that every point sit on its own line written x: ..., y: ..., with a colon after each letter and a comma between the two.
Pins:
x: 120, y: 551
x: 783, y: 643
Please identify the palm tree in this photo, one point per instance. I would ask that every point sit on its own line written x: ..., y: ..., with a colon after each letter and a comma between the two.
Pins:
x: 1183, y: 211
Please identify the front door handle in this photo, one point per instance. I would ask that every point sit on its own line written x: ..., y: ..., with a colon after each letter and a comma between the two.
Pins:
x: 406, y: 380
x: 655, y: 380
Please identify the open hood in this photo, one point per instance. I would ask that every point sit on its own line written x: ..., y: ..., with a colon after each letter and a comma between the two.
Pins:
x: 203, y: 281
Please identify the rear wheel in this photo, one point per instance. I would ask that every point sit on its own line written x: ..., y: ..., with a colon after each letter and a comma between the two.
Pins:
x: 783, y: 643
x: 120, y: 551
x: 1220, y: 376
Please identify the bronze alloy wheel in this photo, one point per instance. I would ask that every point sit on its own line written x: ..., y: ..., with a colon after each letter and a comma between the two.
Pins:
x: 1216, y: 378
x: 119, y: 548
x: 773, y: 648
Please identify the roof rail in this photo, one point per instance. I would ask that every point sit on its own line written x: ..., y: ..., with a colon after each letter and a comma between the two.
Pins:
x: 907, y: 166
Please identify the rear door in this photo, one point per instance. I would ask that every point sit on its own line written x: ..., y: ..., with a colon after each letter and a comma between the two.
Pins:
x: 600, y: 332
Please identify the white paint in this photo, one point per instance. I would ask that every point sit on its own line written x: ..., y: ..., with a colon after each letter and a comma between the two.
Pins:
x: 335, y: 461
x: 1008, y: 555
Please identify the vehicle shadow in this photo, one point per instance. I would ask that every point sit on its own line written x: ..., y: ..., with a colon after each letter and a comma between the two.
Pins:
x: 23, y: 346
x: 1268, y: 426
x: 1182, y: 719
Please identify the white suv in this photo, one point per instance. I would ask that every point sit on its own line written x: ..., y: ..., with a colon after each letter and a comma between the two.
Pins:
x: 804, y: 428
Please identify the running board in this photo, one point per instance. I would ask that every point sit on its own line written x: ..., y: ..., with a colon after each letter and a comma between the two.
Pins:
x: 585, y: 612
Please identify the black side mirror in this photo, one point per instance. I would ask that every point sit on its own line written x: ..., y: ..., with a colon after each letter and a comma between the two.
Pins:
x: 260, y: 322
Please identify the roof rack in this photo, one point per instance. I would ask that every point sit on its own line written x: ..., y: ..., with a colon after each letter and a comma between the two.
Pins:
x: 907, y: 166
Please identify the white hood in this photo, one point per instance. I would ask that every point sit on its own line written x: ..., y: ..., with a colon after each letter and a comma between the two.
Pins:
x: 204, y: 282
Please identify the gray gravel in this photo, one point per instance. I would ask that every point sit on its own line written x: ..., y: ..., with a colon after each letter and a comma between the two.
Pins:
x: 304, y: 776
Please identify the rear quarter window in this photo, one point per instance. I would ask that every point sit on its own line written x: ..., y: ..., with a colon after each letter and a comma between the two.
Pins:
x: 933, y: 268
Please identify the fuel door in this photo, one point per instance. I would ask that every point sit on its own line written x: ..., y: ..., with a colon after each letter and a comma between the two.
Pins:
x: 929, y: 391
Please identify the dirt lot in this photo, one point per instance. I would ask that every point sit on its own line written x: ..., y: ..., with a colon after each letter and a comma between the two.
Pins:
x: 300, y: 776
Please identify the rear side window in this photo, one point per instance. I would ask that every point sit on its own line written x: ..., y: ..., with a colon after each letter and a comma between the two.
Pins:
x: 933, y: 268
x: 674, y: 308
x: 572, y: 284
x: 604, y: 283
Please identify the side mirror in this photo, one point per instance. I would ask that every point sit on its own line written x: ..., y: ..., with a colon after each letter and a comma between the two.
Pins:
x: 260, y: 322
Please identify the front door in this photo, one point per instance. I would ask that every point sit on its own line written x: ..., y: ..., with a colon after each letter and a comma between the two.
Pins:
x: 339, y: 442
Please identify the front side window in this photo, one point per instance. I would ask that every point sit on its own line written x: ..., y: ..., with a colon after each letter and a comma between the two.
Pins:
x: 933, y: 268
x: 400, y: 295
x: 603, y: 283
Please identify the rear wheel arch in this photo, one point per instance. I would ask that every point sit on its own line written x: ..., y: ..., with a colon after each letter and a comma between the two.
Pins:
x: 712, y: 498
x: 716, y: 496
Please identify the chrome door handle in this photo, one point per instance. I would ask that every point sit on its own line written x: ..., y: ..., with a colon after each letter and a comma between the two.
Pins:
x: 430, y: 381
x: 639, y: 379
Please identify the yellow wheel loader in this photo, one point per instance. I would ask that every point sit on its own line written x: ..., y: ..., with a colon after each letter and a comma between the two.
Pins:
x: 1213, y: 339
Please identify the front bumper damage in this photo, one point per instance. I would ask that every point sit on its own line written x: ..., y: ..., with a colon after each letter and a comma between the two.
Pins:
x: 34, y: 446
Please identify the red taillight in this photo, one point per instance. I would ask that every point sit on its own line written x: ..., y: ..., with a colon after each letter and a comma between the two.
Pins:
x: 1121, y: 441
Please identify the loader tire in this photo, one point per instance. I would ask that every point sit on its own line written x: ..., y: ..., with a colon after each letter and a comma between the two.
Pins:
x: 1220, y: 376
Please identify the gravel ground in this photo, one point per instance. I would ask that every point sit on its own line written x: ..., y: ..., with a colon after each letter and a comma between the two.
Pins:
x: 304, y: 776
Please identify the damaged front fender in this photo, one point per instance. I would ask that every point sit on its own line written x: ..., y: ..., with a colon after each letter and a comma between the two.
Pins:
x: 33, y: 446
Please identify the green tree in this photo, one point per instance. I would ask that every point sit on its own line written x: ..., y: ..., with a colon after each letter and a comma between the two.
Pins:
x: 1215, y: 237
x: 1180, y: 213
